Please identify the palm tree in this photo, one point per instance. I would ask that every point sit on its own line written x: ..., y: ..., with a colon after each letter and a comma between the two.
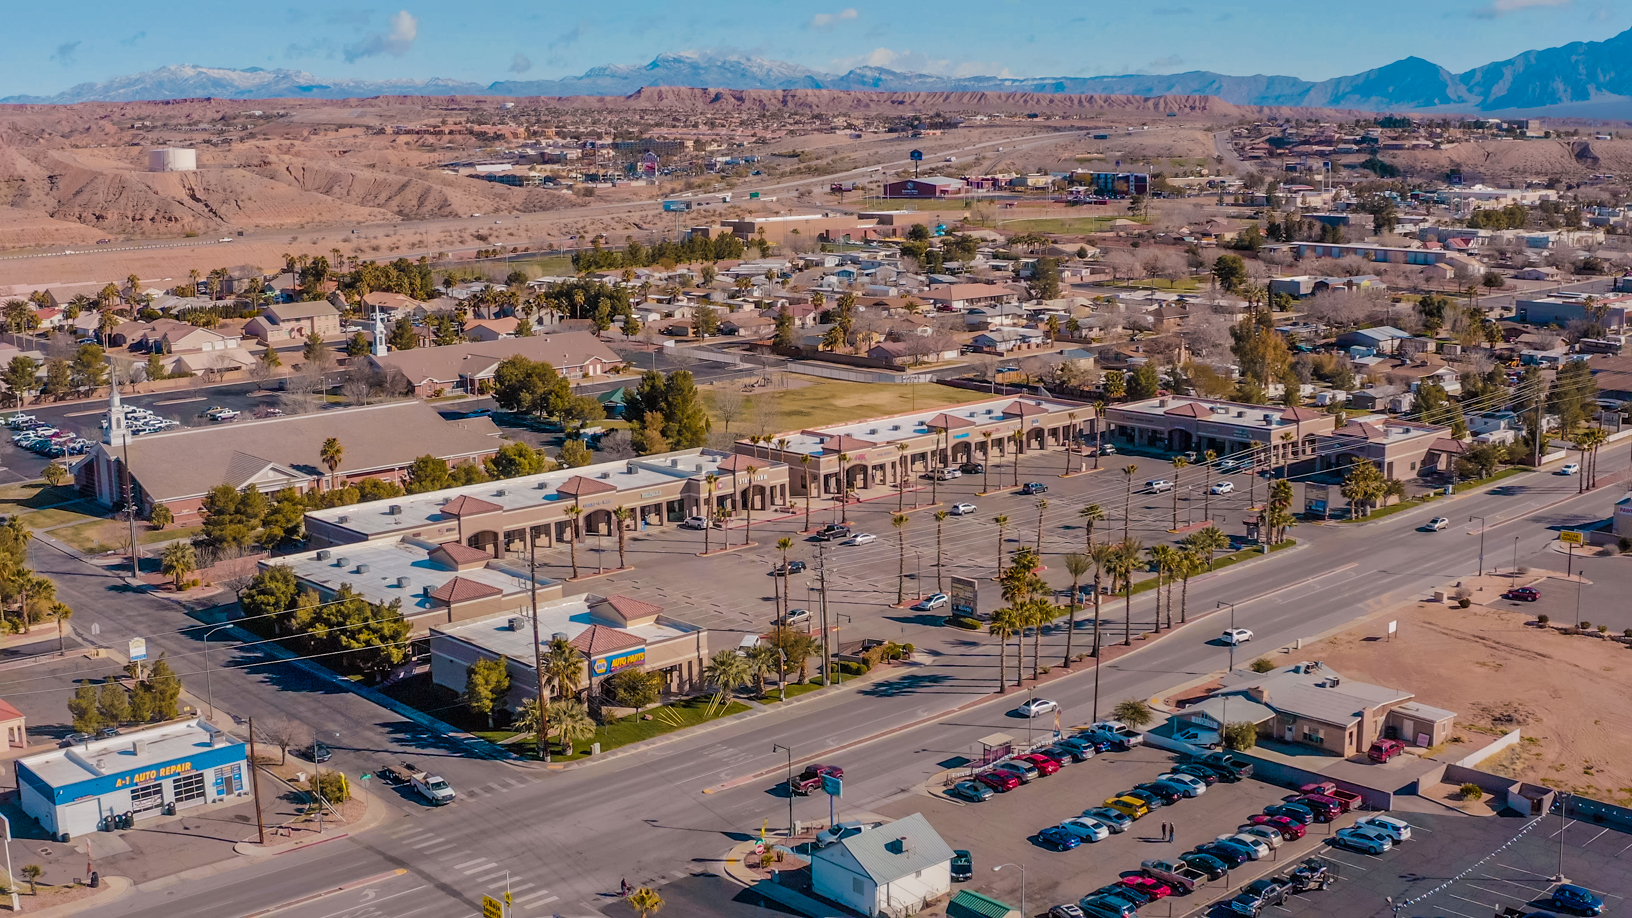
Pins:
x: 900, y: 521
x: 1207, y: 484
x: 804, y: 462
x: 1179, y: 462
x: 761, y: 660
x: 1167, y: 560
x: 1042, y: 505
x: 934, y: 466
x: 782, y: 545
x: 331, y: 454
x: 940, y: 554
x: 901, y: 478
x: 844, y: 490
x: 1019, y: 440
x: 1091, y: 514
x: 571, y: 722
x: 1127, y: 499
x: 1099, y: 431
x: 177, y: 561
x: 748, y: 508
x: 710, y: 480
x: 622, y: 515
x: 1002, y: 521
x: 646, y: 901
x: 986, y: 467
x: 1103, y: 556
x: 60, y: 612
x: 1126, y: 563
x: 1072, y: 417
x: 1208, y: 541
x: 727, y: 671
x: 1189, y: 565
x: 573, y: 513
x: 1004, y: 625
x: 1076, y: 564
x: 1038, y: 612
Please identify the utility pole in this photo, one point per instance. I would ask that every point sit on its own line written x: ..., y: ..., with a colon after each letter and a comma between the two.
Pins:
x: 789, y: 751
x: 541, y: 744
x: 821, y: 576
x: 254, y: 785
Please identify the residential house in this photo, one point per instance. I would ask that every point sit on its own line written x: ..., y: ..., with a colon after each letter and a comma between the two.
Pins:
x: 958, y: 297
x: 1009, y: 340
x: 283, y: 322
x: 916, y: 350
x: 168, y: 336
x: 491, y: 329
x: 390, y: 306
x: 1384, y: 339
x: 748, y: 325
x: 469, y: 367
x: 896, y: 869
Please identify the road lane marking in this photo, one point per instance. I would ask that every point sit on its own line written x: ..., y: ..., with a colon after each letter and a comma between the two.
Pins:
x: 469, y: 863
x: 371, y: 902
x: 440, y: 848
x: 482, y: 865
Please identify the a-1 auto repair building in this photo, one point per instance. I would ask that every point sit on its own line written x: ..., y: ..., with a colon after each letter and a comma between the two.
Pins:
x: 148, y: 772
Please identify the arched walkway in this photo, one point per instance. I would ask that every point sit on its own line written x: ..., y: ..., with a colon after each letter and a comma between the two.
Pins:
x: 487, y: 540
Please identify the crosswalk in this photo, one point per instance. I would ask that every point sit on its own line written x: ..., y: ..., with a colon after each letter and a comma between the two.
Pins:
x: 489, y: 876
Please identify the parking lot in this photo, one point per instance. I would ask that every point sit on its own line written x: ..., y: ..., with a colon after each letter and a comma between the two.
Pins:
x: 1002, y: 830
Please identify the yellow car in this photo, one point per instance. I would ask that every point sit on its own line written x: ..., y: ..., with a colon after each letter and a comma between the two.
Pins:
x: 1131, y: 806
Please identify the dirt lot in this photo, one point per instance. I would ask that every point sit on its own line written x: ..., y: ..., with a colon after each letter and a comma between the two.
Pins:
x: 1498, y: 670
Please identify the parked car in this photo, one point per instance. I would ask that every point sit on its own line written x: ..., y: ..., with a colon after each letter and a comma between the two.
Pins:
x: 1577, y: 899
x: 1066, y: 910
x: 1150, y: 800
x: 1223, y: 487
x: 1025, y: 771
x: 1434, y: 525
x: 1086, y: 828
x: 1194, y: 787
x: 1037, y: 707
x: 694, y: 522
x: 834, y: 834
x: 1045, y: 766
x: 1296, y: 812
x: 1259, y: 895
x: 1522, y: 594
x: 1237, y: 635
x: 1067, y: 755
x: 1132, y: 807
x: 1230, y: 855
x: 1384, y: 749
x: 1397, y: 830
x: 316, y: 753
x: 1158, y: 486
x: 972, y: 791
x: 1058, y: 839
x: 794, y: 617
x: 1201, y: 773
x: 931, y: 602
x: 1080, y: 749
x: 1363, y: 840
x: 963, y: 509
x: 1260, y: 849
x: 1204, y: 862
x: 1033, y: 487
x: 971, y: 468
x: 945, y: 474
x: 76, y: 739
x: 1271, y: 835
x: 832, y: 533
x: 1226, y: 764
x: 1108, y: 907
x: 1148, y: 885
x: 1326, y: 809
x: 1000, y: 781
x: 1114, y: 819
x: 1290, y: 829
x: 860, y: 538
x: 1169, y: 794
x: 792, y: 567
x: 963, y: 866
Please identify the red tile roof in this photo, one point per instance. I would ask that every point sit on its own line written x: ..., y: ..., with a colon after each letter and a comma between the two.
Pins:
x: 737, y: 462
x: 579, y: 486
x: 1300, y: 414
x: 459, y: 553
x: 1024, y: 410
x: 460, y: 590
x: 468, y: 506
x: 629, y: 607
x: 845, y: 443
x: 1189, y: 410
x: 946, y: 421
x: 599, y: 639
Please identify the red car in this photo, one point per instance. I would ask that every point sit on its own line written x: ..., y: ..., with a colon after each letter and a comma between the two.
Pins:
x: 1148, y: 885
x: 1290, y: 829
x: 1042, y: 763
x: 999, y: 781
x: 1522, y: 594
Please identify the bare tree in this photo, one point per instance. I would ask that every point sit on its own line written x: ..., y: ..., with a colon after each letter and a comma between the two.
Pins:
x: 357, y: 384
x: 728, y: 402
x: 766, y: 415
x: 615, y: 446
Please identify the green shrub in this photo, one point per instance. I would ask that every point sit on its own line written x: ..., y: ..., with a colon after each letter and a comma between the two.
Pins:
x: 1262, y: 665
x: 1240, y: 735
x: 1464, y: 603
x: 1624, y: 544
x: 1603, y: 629
x: 1584, y: 626
x: 965, y: 622
x: 1472, y: 792
x: 1544, y: 619
x: 908, y: 648
x: 332, y: 785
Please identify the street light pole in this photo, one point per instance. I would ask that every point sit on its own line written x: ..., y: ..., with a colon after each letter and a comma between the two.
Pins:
x: 1022, y: 884
x: 208, y: 693
x: 1481, y: 542
x: 1225, y: 725
x: 1515, y: 558
x: 789, y: 751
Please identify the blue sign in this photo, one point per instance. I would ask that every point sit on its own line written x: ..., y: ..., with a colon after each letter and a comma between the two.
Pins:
x: 916, y: 155
x: 962, y: 436
x: 832, y: 786
x: 622, y: 660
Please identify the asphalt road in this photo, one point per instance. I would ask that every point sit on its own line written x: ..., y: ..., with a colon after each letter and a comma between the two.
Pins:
x: 670, y: 811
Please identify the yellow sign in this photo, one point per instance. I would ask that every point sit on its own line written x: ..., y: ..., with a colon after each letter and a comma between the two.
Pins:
x: 1574, y: 538
x: 492, y: 908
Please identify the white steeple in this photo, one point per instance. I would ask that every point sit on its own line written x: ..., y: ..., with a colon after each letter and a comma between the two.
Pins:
x: 379, y: 334
x: 117, y: 433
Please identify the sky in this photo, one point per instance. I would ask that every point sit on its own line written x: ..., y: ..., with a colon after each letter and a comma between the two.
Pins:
x: 486, y: 40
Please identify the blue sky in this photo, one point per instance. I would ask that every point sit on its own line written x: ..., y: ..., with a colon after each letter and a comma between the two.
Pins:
x: 486, y: 40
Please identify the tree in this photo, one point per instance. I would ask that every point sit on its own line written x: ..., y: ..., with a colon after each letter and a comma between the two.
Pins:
x: 20, y: 378
x: 514, y: 460
x: 84, y: 709
x: 1207, y: 541
x: 1240, y: 735
x: 1002, y: 521
x: 113, y: 703
x: 645, y: 901
x: 705, y: 322
x: 1230, y: 271
x: 899, y: 521
x: 1045, y: 279
x: 574, y: 454
x: 54, y: 474
x: 59, y: 379
x: 574, y: 513
x: 177, y: 561
x: 356, y: 346
x: 1362, y: 487
x: 530, y: 387
x: 621, y: 516
x: 331, y: 455
x: 1133, y: 712
x: 427, y: 473
x: 1144, y: 383
x: 570, y: 722
x: 402, y: 336
x: 686, y: 424
x: 230, y: 516
x: 782, y: 340
x: 633, y: 688
x: 1004, y: 624
x: 487, y: 682
x: 1076, y: 564
x: 761, y: 660
x: 727, y: 671
x: 165, y: 688
x: 32, y: 873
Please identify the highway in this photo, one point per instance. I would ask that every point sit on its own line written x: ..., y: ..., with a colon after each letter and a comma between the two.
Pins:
x: 672, y: 809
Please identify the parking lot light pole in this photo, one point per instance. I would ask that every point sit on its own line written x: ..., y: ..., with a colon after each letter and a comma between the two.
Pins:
x: 208, y: 694
x: 1481, y: 542
x: 789, y: 751
x: 1515, y: 559
x: 1022, y: 884
x: 1225, y: 725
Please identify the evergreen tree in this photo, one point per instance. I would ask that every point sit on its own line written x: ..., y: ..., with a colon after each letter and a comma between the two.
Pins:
x: 357, y: 345
x: 402, y: 336
x: 1145, y: 382
x: 686, y: 424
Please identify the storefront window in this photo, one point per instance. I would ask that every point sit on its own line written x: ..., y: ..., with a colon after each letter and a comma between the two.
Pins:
x: 148, y: 796
x: 190, y: 786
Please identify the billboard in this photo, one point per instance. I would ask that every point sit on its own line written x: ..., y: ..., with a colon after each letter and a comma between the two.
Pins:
x: 1315, y: 498
x: 681, y: 206
x: 965, y: 596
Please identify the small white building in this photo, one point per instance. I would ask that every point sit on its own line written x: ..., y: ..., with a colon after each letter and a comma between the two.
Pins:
x: 895, y: 869
x: 171, y: 767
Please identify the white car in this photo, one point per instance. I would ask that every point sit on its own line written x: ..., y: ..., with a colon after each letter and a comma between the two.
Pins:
x: 694, y: 522
x: 1086, y: 828
x: 1397, y: 830
x: 1195, y: 786
x: 1158, y: 485
x: 1570, y: 468
x: 1037, y: 707
x: 1237, y: 636
x: 1435, y: 524
x: 963, y: 509
x: 1260, y: 849
x: 1223, y: 487
x: 1271, y: 836
x: 860, y: 538
x: 1369, y: 841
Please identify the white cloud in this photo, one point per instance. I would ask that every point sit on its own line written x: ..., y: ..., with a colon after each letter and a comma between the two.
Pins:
x: 521, y: 63
x: 396, y: 41
x: 67, y: 53
x: 1503, y: 7
x: 829, y: 20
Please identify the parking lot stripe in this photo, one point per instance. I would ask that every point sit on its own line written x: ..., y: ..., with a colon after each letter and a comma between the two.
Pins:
x: 427, y: 842
x: 1487, y: 907
x: 542, y: 902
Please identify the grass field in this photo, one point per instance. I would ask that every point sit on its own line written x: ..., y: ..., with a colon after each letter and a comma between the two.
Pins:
x: 32, y: 495
x: 94, y: 537
x: 924, y: 205
x: 76, y: 512
x: 834, y: 402
x: 665, y: 719
x: 1066, y: 226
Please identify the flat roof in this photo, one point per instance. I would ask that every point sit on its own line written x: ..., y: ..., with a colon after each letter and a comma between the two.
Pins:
x: 1212, y: 410
x: 570, y: 616
x: 115, y: 755
x: 886, y: 430
x: 420, y: 510
x: 389, y: 560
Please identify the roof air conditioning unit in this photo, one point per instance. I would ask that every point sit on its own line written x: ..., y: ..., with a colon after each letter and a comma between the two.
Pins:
x: 629, y: 469
x: 362, y: 568
x: 895, y: 426
x: 324, y: 555
x: 515, y: 623
x: 342, y: 518
x: 674, y: 463
x: 341, y: 562
x: 559, y: 636
x: 500, y: 492
x: 396, y: 510
x: 542, y: 486
x: 404, y: 583
x: 425, y: 591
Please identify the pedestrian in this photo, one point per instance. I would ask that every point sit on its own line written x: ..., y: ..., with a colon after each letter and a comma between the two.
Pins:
x: 623, y: 888
x: 1172, y: 831
x: 1164, y: 831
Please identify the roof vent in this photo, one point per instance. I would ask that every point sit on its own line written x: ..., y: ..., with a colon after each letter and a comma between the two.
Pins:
x: 1161, y: 403
x: 1333, y: 680
x: 396, y: 510
x: 542, y: 486
x: 559, y: 636
x: 362, y: 568
x: 872, y: 431
x: 425, y: 591
x: 674, y: 463
x: 342, y: 518
x: 1241, y: 414
x: 139, y: 747
x: 324, y: 555
x: 341, y: 562
x: 515, y: 623
x: 501, y: 492
x: 605, y: 475
x: 699, y: 466
x: 404, y: 583
x: 895, y: 426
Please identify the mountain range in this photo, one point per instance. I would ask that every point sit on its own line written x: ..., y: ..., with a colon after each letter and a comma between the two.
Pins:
x: 1582, y: 79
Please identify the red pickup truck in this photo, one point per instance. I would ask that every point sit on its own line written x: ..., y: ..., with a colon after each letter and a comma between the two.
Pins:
x: 1346, y: 800
x: 810, y: 780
